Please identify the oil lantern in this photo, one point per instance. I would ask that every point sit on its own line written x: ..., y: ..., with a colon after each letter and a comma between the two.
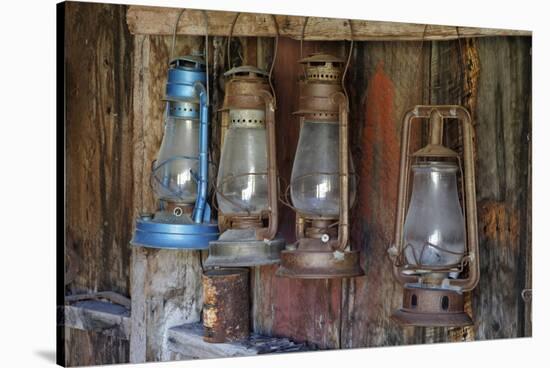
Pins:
x: 179, y: 175
x: 322, y: 186
x: 435, y: 252
x: 247, y: 190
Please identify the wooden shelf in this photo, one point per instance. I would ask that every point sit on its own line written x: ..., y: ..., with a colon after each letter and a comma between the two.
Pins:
x: 99, y: 316
x: 187, y: 341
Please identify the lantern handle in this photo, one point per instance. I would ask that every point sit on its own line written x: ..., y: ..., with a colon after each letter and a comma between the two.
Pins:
x: 343, y: 154
x: 275, y: 46
x: 461, y: 115
x: 306, y: 19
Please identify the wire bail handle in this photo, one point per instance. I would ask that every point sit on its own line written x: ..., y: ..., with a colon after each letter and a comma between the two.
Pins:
x: 276, y: 26
x: 349, y: 54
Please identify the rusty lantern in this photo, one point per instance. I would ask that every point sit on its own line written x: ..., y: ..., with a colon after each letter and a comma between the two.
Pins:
x: 322, y: 184
x: 435, y: 252
x: 247, y: 191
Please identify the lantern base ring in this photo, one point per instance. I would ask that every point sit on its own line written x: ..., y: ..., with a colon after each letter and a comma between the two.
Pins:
x: 432, y: 307
x: 166, y: 231
x: 315, y: 264
x: 236, y: 249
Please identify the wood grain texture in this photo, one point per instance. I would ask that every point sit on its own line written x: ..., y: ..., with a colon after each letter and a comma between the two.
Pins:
x: 98, y: 155
x: 503, y: 132
x: 84, y: 348
x: 387, y: 80
x: 160, y: 21
x: 99, y: 146
x: 104, y: 317
x: 166, y: 292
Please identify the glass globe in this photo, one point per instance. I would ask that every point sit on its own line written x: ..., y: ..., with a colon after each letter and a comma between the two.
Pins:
x: 434, y: 232
x: 177, y: 161
x: 242, y: 175
x: 315, y: 183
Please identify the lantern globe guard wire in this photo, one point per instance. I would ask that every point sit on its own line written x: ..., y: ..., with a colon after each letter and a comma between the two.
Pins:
x: 275, y: 47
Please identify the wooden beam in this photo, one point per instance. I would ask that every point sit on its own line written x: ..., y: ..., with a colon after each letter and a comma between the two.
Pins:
x: 186, y: 341
x: 149, y: 20
x: 98, y: 316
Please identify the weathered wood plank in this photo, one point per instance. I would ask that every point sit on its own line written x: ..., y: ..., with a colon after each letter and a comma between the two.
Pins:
x: 138, y: 338
x: 503, y: 132
x: 187, y: 341
x: 93, y: 348
x: 99, y: 148
x: 165, y: 285
x: 109, y: 295
x: 386, y: 80
x: 103, y: 317
x: 98, y: 155
x: 160, y: 21
x: 166, y: 292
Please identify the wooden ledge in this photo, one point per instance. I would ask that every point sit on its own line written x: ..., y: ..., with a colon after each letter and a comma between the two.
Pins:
x: 150, y: 20
x: 187, y: 341
x: 98, y: 316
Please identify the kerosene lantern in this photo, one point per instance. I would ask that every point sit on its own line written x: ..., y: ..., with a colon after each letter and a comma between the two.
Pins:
x: 435, y: 252
x: 179, y: 175
x: 322, y: 185
x: 247, y: 190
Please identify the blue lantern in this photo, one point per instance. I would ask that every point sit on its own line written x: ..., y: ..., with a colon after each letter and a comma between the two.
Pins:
x: 179, y: 175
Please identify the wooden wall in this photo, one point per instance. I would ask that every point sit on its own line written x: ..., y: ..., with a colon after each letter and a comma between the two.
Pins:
x: 99, y: 176
x: 114, y: 84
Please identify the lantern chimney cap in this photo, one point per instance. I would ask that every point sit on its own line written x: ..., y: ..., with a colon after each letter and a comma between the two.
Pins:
x: 246, y: 69
x: 183, y: 62
x: 320, y: 58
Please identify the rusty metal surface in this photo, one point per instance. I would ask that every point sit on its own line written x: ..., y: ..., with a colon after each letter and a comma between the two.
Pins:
x: 319, y: 265
x: 432, y: 308
x: 226, y: 305
x: 240, y: 248
x: 242, y: 90
x: 315, y: 102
